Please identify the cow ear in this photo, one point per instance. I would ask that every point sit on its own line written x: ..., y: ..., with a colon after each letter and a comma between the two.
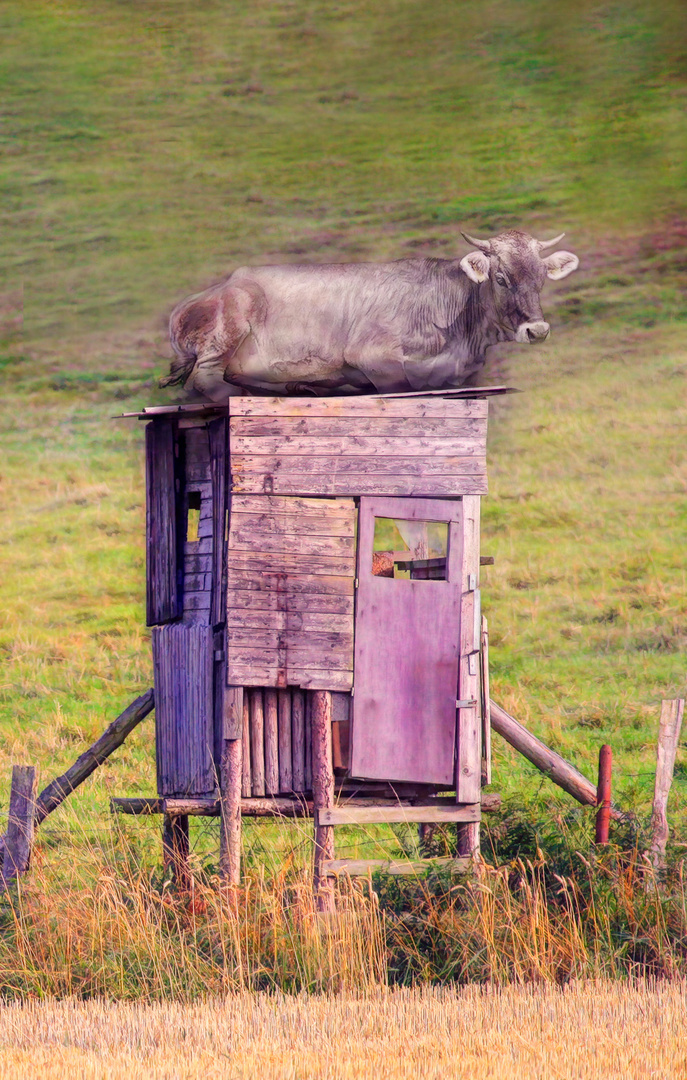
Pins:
x: 560, y: 264
x: 476, y: 266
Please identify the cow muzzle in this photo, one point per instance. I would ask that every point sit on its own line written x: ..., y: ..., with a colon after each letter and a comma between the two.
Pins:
x: 530, y: 332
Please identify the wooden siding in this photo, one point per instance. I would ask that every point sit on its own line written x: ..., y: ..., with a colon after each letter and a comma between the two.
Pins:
x: 163, y: 601
x: 358, y: 446
x: 469, y: 741
x: 198, y: 477
x: 182, y: 659
x: 290, y: 580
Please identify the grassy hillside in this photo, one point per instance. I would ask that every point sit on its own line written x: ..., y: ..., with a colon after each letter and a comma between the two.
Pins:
x: 148, y: 149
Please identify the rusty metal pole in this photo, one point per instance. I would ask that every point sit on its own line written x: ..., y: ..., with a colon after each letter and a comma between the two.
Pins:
x: 603, y: 795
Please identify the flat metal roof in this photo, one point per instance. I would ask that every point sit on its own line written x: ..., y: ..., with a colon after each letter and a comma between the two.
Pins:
x: 208, y: 408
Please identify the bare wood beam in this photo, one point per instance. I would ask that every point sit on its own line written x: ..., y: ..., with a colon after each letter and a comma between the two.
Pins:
x: 323, y: 791
x: 230, y: 826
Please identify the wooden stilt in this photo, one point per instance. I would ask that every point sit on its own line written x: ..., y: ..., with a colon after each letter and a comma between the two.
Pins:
x: 230, y: 820
x: 246, y: 791
x: 285, y: 766
x: 175, y: 849
x: 323, y: 791
x: 298, y: 740
x: 257, y: 743
x: 271, y: 743
x: 468, y: 840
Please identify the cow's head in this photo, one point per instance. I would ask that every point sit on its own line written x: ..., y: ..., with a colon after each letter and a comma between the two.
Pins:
x: 513, y: 265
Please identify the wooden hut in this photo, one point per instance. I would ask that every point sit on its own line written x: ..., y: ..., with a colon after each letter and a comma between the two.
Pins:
x: 313, y: 591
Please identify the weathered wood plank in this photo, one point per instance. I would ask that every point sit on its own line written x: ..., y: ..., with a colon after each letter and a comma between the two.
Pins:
x: 20, y: 822
x: 328, y: 524
x: 257, y: 742
x: 469, y: 750
x: 163, y: 601
x: 666, y: 750
x: 183, y: 664
x: 306, y: 621
x: 197, y: 602
x: 395, y: 867
x: 392, y: 465
x: 298, y: 740
x: 273, y: 674
x: 365, y: 446
x: 218, y: 448
x: 307, y: 643
x: 276, y: 506
x: 372, y: 483
x: 271, y: 743
x: 358, y: 406
x: 140, y: 806
x: 300, y: 585
x: 299, y: 656
x: 249, y: 538
x: 322, y: 791
x: 269, y: 562
x: 370, y: 815
x: 308, y: 740
x: 356, y: 426
x: 285, y: 749
x: 486, y: 719
x: 246, y: 788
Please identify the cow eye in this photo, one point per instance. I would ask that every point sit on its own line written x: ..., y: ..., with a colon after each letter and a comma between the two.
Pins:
x: 500, y: 280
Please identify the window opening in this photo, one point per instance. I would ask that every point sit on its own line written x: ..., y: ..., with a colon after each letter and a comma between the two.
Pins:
x: 410, y: 550
x: 193, y: 516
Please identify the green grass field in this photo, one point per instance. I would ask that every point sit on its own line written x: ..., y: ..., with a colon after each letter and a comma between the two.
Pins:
x: 149, y: 149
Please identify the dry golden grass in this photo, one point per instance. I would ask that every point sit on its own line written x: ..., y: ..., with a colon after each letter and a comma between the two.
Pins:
x: 588, y: 1030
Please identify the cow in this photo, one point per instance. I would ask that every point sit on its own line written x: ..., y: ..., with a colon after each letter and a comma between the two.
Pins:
x: 352, y: 328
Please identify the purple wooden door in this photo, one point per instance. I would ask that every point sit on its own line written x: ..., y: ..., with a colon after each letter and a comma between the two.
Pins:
x: 407, y: 640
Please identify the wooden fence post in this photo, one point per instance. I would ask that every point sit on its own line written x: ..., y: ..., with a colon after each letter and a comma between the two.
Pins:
x: 322, y: 791
x: 603, y: 795
x: 20, y: 825
x: 668, y: 737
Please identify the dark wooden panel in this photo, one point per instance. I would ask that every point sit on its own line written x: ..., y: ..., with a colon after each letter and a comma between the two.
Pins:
x: 182, y: 659
x: 406, y: 657
x: 163, y: 600
x: 217, y: 436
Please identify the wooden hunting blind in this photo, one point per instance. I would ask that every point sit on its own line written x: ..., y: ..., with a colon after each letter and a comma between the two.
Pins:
x: 313, y: 592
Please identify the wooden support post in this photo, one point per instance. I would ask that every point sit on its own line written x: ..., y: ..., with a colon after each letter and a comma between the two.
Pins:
x: 285, y: 763
x: 323, y: 792
x: 246, y: 790
x: 468, y: 842
x: 668, y: 738
x: 486, y: 710
x: 230, y: 820
x: 603, y: 795
x: 308, y: 740
x: 20, y: 825
x: 271, y: 743
x: 298, y: 740
x: 257, y: 743
x: 175, y: 849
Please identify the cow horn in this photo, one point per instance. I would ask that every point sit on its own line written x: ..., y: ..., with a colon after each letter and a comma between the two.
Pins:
x: 544, y: 244
x: 483, y: 245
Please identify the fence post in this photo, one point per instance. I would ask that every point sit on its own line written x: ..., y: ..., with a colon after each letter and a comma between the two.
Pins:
x: 666, y: 749
x: 603, y: 795
x: 20, y: 825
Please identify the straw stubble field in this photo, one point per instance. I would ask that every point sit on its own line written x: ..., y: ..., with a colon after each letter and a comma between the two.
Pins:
x: 618, y: 1031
